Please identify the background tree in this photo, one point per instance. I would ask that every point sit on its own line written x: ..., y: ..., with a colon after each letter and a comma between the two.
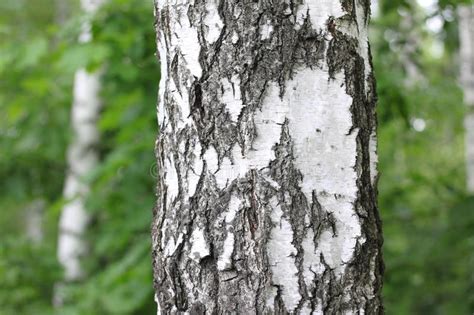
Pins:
x: 466, y: 40
x: 82, y: 158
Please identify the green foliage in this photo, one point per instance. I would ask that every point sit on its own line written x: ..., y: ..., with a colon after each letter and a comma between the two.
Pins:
x: 26, y: 279
x: 38, y: 62
x: 428, y: 245
x: 34, y: 110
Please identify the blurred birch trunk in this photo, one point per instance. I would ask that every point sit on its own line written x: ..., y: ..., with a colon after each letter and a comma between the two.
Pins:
x: 466, y: 39
x: 82, y: 157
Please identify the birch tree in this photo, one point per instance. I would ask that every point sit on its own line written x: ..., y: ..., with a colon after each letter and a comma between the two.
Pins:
x: 267, y: 198
x: 82, y: 157
x: 466, y: 39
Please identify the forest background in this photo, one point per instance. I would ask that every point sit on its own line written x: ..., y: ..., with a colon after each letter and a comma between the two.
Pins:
x: 428, y: 215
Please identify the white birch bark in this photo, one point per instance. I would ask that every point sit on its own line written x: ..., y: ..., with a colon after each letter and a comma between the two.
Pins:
x: 466, y: 39
x: 82, y: 157
x: 267, y: 159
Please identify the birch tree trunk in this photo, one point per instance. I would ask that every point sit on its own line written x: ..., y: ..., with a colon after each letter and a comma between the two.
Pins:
x: 267, y: 199
x: 466, y: 39
x: 82, y: 158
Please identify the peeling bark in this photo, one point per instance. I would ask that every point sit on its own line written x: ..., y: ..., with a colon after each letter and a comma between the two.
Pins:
x: 267, y: 156
x: 82, y: 157
x: 466, y: 39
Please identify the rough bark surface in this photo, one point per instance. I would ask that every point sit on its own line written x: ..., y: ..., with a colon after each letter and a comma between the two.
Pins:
x: 466, y: 39
x: 267, y: 159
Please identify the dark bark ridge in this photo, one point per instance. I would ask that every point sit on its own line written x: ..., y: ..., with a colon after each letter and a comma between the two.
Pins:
x: 196, y: 284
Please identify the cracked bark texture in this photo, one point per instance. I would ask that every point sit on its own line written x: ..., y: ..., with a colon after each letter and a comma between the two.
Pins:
x: 267, y: 159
